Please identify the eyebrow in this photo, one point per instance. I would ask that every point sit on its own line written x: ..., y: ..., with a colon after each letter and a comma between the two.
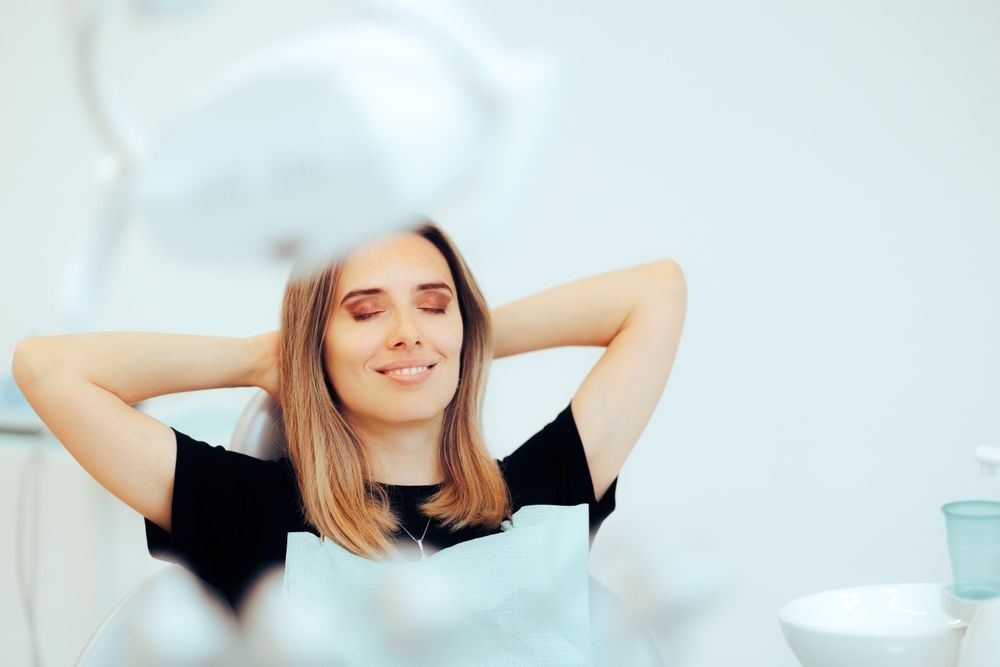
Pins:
x: 378, y: 290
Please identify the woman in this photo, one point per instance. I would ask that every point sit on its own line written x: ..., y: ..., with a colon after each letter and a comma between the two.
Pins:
x: 380, y: 367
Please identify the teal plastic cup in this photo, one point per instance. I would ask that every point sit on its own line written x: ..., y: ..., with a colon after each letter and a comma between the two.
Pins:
x: 974, y: 547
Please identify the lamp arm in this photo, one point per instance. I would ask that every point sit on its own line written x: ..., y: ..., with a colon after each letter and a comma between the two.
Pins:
x: 117, y: 126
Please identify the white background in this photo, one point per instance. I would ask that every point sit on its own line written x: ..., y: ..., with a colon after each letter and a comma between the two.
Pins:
x: 825, y: 173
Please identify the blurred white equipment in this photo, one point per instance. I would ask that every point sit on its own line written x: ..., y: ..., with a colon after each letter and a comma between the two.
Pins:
x: 898, y: 625
x: 902, y: 625
x: 306, y: 148
x: 313, y: 145
x: 981, y: 644
x: 169, y: 619
x: 988, y: 458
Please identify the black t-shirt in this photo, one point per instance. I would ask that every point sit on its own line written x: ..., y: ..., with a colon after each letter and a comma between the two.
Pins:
x: 231, y: 513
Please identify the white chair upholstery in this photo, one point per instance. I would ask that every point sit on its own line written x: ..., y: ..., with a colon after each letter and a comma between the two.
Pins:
x: 170, y: 618
x: 260, y: 430
x: 105, y: 646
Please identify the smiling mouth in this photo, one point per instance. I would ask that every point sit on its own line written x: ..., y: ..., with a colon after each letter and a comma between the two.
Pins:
x: 411, y: 372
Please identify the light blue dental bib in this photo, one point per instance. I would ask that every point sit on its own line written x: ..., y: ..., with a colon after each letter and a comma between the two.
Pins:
x: 520, y: 597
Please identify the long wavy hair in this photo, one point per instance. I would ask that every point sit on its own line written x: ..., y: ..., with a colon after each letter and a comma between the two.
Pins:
x: 339, y: 496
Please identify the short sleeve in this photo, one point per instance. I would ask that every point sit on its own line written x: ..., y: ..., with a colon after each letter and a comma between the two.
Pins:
x: 229, y: 516
x: 551, y: 468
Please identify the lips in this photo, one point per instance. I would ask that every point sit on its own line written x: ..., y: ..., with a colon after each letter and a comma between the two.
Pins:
x: 409, y: 379
x: 407, y: 364
x: 425, y: 367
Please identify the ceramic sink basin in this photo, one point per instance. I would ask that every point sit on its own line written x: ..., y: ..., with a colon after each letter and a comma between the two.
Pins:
x: 893, y: 625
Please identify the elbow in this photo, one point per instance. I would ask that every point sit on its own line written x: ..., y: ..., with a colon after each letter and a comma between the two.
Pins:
x: 668, y: 278
x: 24, y: 366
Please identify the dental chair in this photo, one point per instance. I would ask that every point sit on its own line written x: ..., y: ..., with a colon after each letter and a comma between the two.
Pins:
x: 259, y: 432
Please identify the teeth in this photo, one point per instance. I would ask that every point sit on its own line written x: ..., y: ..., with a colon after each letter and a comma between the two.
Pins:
x: 407, y: 371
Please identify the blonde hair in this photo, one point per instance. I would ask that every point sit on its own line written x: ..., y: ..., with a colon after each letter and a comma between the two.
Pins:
x: 338, y: 496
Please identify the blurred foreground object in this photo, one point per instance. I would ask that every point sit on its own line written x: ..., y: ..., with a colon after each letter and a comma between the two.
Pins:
x: 661, y: 591
x: 418, y: 616
x: 169, y: 620
x: 313, y: 145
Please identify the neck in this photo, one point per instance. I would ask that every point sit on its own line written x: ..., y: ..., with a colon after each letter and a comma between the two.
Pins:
x: 402, y: 453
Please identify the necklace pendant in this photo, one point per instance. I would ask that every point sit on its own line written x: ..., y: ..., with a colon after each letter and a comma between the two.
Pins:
x: 420, y: 543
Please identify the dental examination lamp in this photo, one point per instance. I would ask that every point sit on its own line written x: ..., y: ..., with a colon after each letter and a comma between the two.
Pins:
x: 308, y: 147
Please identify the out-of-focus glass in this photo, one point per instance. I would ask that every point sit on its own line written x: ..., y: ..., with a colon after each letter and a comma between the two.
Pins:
x: 973, y: 528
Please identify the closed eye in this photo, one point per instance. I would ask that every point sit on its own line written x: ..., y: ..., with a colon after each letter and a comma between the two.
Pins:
x: 367, y: 316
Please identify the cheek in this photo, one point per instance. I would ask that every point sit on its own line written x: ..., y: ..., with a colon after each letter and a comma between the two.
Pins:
x: 351, y: 354
x: 341, y: 352
x: 451, y: 338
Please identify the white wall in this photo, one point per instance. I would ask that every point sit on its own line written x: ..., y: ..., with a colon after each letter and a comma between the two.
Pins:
x: 825, y: 173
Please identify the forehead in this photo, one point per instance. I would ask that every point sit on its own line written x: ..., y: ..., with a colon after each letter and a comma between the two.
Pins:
x: 395, y: 262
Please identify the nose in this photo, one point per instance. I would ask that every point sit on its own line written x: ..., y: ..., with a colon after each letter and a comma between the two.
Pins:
x: 404, y: 330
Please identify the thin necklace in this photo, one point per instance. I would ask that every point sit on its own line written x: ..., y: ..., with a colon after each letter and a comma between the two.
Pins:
x: 420, y: 542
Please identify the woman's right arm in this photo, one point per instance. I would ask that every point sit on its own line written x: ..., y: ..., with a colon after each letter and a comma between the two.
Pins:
x: 83, y: 388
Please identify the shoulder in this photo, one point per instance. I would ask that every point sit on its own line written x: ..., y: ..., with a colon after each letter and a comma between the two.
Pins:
x: 213, y: 475
x: 550, y: 467
x: 545, y: 450
x: 202, y: 459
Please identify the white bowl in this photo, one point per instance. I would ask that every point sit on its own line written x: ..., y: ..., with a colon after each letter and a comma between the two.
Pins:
x: 892, y: 625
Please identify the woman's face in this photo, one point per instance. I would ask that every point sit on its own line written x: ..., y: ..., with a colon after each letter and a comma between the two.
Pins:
x: 395, y: 305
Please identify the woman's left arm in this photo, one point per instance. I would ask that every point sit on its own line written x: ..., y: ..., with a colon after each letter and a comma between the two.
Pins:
x: 637, y: 314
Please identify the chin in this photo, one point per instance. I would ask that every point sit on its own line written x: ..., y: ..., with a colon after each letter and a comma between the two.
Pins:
x: 407, y: 408
x: 418, y: 408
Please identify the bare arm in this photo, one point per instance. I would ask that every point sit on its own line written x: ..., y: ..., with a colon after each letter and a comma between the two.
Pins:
x: 83, y: 387
x: 637, y: 314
